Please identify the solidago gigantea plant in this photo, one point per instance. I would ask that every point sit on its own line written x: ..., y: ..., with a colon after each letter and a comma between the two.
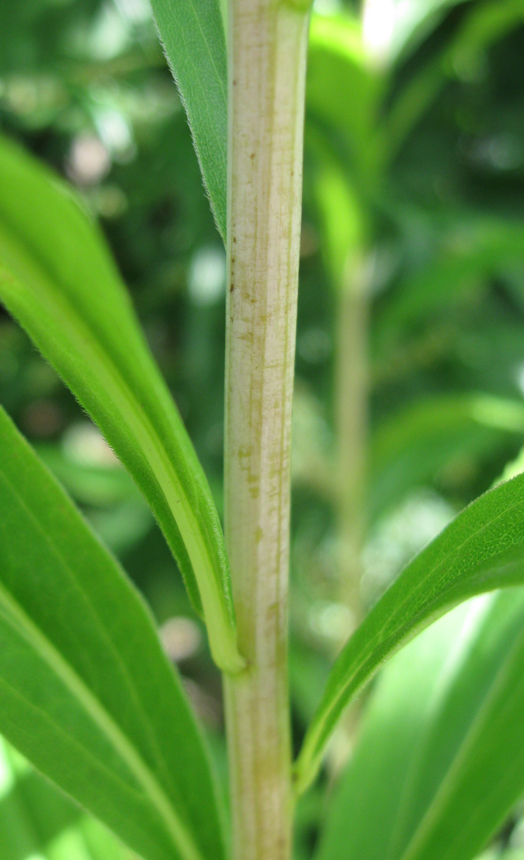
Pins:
x: 86, y: 693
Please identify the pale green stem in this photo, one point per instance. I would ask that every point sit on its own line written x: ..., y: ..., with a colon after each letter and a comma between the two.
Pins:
x: 267, y: 48
x: 351, y: 419
x: 351, y: 386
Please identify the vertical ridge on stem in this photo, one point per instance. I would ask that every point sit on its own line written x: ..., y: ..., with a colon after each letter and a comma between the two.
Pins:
x: 267, y: 46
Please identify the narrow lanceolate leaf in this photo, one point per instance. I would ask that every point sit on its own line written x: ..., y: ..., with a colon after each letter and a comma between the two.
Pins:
x: 440, y: 760
x: 192, y: 34
x: 86, y: 692
x: 481, y: 550
x: 58, y: 280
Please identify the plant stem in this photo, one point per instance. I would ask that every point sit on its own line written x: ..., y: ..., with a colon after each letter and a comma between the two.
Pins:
x: 267, y: 48
x: 351, y: 385
x: 351, y: 401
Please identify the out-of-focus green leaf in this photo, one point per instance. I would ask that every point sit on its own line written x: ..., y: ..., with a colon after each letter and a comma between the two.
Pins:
x: 488, y: 22
x: 440, y: 761
x: 484, y: 25
x: 481, y: 550
x: 58, y: 280
x: 411, y: 447
x: 192, y: 33
x: 89, y: 484
x: 116, y: 509
x: 86, y: 692
x: 470, y: 253
x: 392, y: 750
x: 122, y: 527
x: 37, y: 820
x: 343, y: 95
x: 513, y: 468
x: 341, y: 220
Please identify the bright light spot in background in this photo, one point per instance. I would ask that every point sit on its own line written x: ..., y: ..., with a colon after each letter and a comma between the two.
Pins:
x: 520, y: 377
x: 207, y: 276
x: 108, y: 37
x: 134, y: 10
x: 84, y: 444
x: 328, y: 7
x: 89, y: 160
x: 6, y: 774
x: 378, y: 27
x: 115, y: 132
x: 399, y: 537
x: 517, y: 836
x: 181, y: 638
x: 332, y: 622
x: 477, y: 608
x: 70, y: 843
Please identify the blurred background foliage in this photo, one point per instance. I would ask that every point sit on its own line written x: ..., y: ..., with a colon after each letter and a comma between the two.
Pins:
x: 413, y: 222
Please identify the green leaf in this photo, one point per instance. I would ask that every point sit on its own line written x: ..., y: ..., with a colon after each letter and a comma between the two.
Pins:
x: 481, y: 550
x: 337, y: 67
x: 38, y: 820
x: 86, y: 693
x: 440, y: 760
x: 378, y: 753
x: 342, y: 223
x: 484, y: 24
x: 58, y: 280
x: 472, y: 251
x: 89, y: 484
x: 409, y: 448
x: 192, y: 34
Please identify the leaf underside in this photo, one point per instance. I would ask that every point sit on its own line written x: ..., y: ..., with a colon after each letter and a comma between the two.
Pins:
x: 57, y: 278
